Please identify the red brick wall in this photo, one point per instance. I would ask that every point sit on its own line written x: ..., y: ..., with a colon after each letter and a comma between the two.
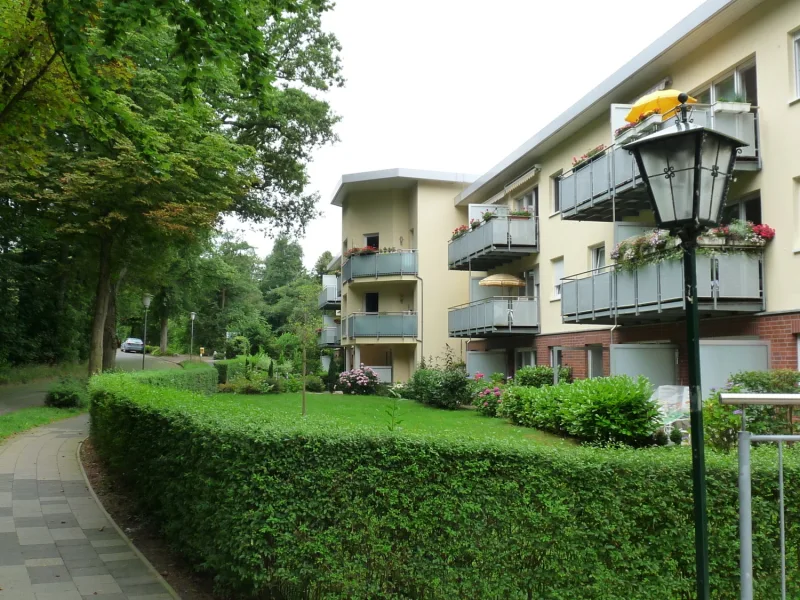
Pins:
x: 780, y: 330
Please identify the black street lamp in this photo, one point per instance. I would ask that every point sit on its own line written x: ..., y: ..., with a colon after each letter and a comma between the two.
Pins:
x: 687, y: 170
x: 146, y: 300
x: 191, y: 343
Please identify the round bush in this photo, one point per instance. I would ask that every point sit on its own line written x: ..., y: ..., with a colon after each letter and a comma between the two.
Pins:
x: 67, y: 393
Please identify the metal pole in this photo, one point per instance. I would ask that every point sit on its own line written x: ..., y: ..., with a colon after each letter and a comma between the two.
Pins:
x: 191, y: 343
x: 745, y: 519
x: 144, y: 340
x: 783, y: 524
x: 696, y: 417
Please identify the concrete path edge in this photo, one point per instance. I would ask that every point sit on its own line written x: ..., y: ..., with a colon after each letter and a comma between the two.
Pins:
x: 121, y: 533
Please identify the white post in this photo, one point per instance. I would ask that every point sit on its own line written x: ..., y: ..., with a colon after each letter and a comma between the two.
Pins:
x: 745, y: 519
x: 357, y: 358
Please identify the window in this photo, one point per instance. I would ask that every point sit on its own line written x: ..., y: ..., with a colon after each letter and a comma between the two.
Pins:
x: 524, y: 357
x: 597, y: 257
x: 371, y: 302
x: 529, y: 202
x: 531, y: 287
x: 737, y: 85
x: 555, y: 191
x: 594, y: 358
x: 558, y: 275
x: 744, y: 210
x: 372, y: 240
x: 797, y: 64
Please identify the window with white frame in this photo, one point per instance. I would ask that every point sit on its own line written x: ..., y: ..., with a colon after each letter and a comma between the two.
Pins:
x: 796, y: 47
x: 558, y: 275
x: 745, y: 209
x: 524, y: 357
x: 528, y: 202
x: 597, y: 257
x: 737, y: 85
x: 555, y: 192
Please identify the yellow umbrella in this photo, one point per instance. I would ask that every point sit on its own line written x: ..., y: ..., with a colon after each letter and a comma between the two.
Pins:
x: 502, y: 280
x: 661, y: 102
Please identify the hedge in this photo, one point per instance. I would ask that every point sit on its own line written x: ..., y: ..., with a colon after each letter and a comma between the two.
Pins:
x: 203, y: 381
x: 228, y: 369
x: 301, y: 508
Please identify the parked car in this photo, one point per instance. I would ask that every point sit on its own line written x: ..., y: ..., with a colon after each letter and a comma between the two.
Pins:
x: 133, y: 345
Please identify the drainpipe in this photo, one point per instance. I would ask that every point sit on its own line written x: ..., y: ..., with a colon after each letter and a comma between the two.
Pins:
x: 421, y: 337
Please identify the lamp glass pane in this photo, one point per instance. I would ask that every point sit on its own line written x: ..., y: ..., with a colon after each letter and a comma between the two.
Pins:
x: 669, y: 167
x: 715, y: 157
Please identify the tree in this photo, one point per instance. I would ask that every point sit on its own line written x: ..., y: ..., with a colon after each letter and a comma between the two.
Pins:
x: 283, y: 264
x: 304, y: 322
x: 321, y: 266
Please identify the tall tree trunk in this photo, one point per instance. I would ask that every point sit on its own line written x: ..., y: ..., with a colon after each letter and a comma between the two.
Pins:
x: 110, y: 332
x: 164, y: 333
x: 100, y: 306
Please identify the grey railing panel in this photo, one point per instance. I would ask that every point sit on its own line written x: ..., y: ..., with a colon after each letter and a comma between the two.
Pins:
x: 626, y: 289
x: 495, y: 233
x: 671, y: 275
x: 601, y: 175
x: 329, y: 295
x: 583, y: 184
x: 375, y: 265
x: 330, y: 336
x: 603, y: 291
x: 647, y: 284
x: 739, y: 276
x: 569, y: 297
x: 706, y: 277
x: 382, y: 325
x: 742, y: 126
x: 525, y: 312
x: 585, y: 294
x: 566, y: 192
x: 491, y: 313
x: 523, y: 231
x: 347, y: 270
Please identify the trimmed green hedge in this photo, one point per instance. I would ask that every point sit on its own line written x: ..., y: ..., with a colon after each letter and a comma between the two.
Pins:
x: 301, y: 508
x: 200, y: 380
x: 227, y: 370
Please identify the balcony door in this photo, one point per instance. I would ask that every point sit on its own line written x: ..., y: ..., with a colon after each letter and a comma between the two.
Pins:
x: 372, y: 240
x: 528, y: 202
x: 371, y: 302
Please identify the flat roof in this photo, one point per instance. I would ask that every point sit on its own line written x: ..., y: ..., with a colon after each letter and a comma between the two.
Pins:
x: 641, y: 72
x: 388, y: 179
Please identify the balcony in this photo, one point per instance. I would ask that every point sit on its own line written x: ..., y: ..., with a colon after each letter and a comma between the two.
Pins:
x: 330, y: 298
x: 381, y: 264
x: 380, y: 325
x: 330, y: 337
x: 728, y: 284
x: 494, y: 243
x: 608, y: 187
x: 494, y: 317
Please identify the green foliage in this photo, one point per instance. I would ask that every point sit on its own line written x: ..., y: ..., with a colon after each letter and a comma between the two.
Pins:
x: 196, y: 364
x: 362, y: 381
x: 602, y: 410
x: 201, y: 381
x: 488, y: 400
x: 237, y: 346
x: 28, y: 418
x: 293, y: 508
x: 314, y: 384
x: 443, y: 388
x: 676, y: 436
x: 722, y: 422
x: 27, y: 373
x: 541, y: 375
x: 69, y: 392
x: 255, y: 382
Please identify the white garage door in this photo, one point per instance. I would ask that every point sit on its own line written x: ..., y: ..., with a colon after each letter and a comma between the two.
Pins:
x: 719, y: 359
x: 492, y: 361
x: 657, y: 362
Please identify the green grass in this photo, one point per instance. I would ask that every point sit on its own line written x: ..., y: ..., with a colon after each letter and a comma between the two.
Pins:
x: 196, y: 364
x: 413, y: 416
x: 28, y: 373
x: 28, y: 418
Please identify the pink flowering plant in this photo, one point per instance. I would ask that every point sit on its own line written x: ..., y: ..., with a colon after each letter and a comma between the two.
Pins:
x: 362, y: 381
x: 488, y: 400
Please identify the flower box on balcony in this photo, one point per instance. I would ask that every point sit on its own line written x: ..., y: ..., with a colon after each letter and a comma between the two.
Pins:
x: 731, y: 107
x: 648, y: 125
x: 627, y: 135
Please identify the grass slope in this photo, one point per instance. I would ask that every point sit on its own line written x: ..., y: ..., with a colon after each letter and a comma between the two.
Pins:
x: 28, y: 418
x: 372, y: 411
x: 28, y: 373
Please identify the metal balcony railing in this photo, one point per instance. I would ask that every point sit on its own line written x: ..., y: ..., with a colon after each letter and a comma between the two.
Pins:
x: 586, y: 192
x: 330, y: 336
x: 385, y: 324
x: 401, y: 262
x: 726, y: 284
x: 330, y: 297
x: 499, y: 315
x: 494, y: 242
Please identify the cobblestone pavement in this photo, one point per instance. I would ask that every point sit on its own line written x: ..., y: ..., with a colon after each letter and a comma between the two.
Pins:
x: 55, y: 541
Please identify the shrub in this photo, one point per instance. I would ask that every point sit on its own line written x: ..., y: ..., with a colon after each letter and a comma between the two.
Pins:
x: 237, y: 346
x: 676, y: 436
x: 294, y: 384
x: 314, y: 384
x: 202, y: 381
x: 541, y: 375
x: 488, y: 401
x: 443, y: 388
x: 69, y: 392
x: 255, y: 382
x: 601, y: 410
x: 361, y: 381
x: 722, y: 422
x: 306, y: 508
x: 229, y: 369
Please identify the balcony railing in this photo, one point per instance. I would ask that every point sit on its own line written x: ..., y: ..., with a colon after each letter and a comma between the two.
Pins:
x: 330, y: 297
x: 378, y: 325
x: 384, y: 374
x: 726, y: 284
x: 403, y: 262
x: 496, y: 316
x: 493, y: 243
x: 608, y: 186
x: 330, y: 336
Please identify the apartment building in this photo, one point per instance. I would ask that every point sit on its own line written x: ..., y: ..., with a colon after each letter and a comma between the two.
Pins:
x: 560, y: 298
x: 387, y: 307
x: 600, y: 319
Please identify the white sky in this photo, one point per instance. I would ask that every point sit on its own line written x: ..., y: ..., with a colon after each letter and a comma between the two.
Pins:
x: 456, y: 85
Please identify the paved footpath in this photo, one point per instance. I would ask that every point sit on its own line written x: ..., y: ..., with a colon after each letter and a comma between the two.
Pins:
x: 55, y: 541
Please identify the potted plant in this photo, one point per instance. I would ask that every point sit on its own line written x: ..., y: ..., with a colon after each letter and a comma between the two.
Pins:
x: 626, y: 133
x: 649, y: 122
x: 579, y: 162
x: 488, y: 215
x: 474, y: 223
x: 459, y: 231
x: 520, y: 214
x: 734, y: 104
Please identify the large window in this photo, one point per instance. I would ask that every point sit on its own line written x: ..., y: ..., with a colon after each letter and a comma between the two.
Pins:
x: 558, y: 275
x: 524, y: 357
x: 597, y: 256
x: 738, y: 85
x: 529, y: 202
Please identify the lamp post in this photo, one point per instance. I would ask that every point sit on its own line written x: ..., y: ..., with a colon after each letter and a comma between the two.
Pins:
x: 146, y: 300
x: 191, y: 343
x: 687, y: 170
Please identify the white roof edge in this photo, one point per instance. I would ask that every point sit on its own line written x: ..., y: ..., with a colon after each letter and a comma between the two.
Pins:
x: 398, y: 173
x: 692, y: 21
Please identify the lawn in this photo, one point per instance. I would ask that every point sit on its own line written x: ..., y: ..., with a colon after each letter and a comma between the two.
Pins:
x: 412, y: 416
x: 28, y: 373
x: 28, y: 418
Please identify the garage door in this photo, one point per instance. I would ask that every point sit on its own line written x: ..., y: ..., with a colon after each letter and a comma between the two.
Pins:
x: 492, y: 361
x: 719, y: 359
x: 657, y: 362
